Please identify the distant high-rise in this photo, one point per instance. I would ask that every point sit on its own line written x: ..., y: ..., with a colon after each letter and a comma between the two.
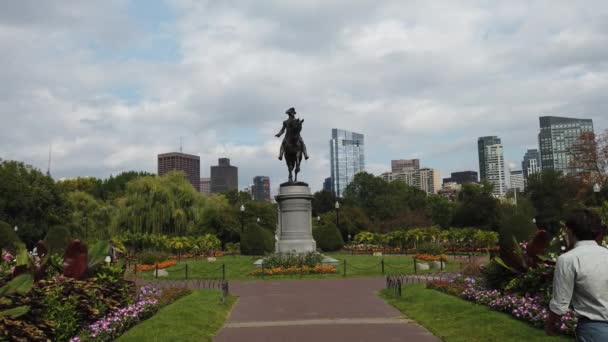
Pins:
x: 261, y: 189
x: 492, y: 164
x: 206, y: 186
x: 556, y: 137
x: 482, y: 143
x: 462, y: 177
x: 409, y: 177
x: 327, y: 184
x: 347, y: 158
x: 430, y: 180
x: 189, y: 164
x: 531, y: 163
x: 224, y: 177
x: 405, y: 164
x: 517, y: 180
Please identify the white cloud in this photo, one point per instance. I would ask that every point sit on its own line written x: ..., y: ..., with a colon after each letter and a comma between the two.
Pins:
x: 417, y: 78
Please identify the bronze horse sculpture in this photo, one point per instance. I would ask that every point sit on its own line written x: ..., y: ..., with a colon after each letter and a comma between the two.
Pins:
x: 293, y: 146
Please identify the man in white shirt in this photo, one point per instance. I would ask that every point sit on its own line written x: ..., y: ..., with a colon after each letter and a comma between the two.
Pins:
x: 581, y: 278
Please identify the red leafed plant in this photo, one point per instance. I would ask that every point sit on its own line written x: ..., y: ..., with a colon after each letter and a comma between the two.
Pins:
x: 79, y: 262
x: 537, y: 247
x: 75, y: 260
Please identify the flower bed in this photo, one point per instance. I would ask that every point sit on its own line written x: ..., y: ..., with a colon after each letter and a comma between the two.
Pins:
x: 524, y: 307
x: 160, y: 265
x: 319, y: 269
x: 119, y: 321
x: 431, y: 257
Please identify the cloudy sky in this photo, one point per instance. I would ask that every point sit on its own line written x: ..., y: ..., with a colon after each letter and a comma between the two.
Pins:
x: 110, y: 84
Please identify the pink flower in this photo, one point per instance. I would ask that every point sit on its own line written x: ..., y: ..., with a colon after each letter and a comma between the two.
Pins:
x: 7, y: 257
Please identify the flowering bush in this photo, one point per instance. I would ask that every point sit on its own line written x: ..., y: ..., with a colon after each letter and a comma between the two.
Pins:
x: 529, y: 308
x: 160, y: 265
x: 118, y: 321
x: 430, y: 257
x: 287, y: 260
x: 319, y: 269
x: 7, y: 264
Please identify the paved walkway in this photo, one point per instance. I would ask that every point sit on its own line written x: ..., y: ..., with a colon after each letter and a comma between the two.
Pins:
x: 316, y: 310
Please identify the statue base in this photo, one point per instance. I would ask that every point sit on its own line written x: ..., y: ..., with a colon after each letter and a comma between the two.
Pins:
x: 294, y: 231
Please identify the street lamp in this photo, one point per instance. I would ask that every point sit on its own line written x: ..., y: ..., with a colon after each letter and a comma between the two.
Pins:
x: 318, y: 220
x: 257, y: 220
x: 16, y: 229
x: 338, y: 214
x: 108, y: 259
x: 242, y: 217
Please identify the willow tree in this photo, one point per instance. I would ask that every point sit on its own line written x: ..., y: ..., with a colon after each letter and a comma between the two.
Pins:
x: 88, y: 217
x: 160, y: 205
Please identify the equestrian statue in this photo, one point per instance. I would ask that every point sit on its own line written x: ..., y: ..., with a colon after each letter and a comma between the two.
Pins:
x: 292, y: 147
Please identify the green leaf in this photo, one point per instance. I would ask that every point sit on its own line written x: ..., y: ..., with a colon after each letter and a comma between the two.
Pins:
x: 21, y: 284
x: 22, y: 257
x: 503, y: 264
x: 98, y: 253
x: 15, y: 312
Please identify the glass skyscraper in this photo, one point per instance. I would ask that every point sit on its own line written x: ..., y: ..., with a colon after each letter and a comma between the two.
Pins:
x: 531, y: 163
x: 347, y: 156
x: 482, y: 144
x: 556, y: 136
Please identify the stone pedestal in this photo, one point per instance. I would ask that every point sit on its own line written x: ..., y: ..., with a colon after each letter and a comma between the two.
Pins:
x: 294, y: 230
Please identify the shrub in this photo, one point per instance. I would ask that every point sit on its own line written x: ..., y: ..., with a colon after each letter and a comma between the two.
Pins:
x: 256, y: 240
x: 286, y: 260
x: 328, y: 237
x: 431, y: 248
x: 8, y: 238
x: 496, y: 276
x: 152, y: 257
x: 57, y: 239
x: 515, y: 226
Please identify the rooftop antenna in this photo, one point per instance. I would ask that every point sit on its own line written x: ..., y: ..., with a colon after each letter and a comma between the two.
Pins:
x: 48, y: 170
x: 180, y: 144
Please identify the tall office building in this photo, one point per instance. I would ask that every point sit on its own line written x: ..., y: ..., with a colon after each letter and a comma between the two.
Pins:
x: 482, y: 144
x: 430, y: 180
x: 531, y: 163
x: 517, y: 180
x: 493, y: 168
x: 224, y: 177
x: 409, y: 177
x: 556, y: 137
x: 189, y: 164
x: 206, y: 186
x: 327, y: 184
x: 347, y: 156
x: 462, y: 177
x: 261, y: 189
x: 405, y: 164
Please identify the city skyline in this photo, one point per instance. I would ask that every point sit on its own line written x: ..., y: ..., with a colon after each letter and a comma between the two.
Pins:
x: 109, y: 95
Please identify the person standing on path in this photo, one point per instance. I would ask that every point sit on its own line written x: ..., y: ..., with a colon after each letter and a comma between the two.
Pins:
x: 581, y: 278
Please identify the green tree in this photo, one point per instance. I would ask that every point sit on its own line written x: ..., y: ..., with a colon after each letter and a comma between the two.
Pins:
x: 477, y: 207
x: 30, y: 200
x: 89, y: 218
x: 90, y: 185
x: 323, y: 202
x: 160, y: 205
x: 440, y: 211
x: 114, y: 187
x: 552, y: 195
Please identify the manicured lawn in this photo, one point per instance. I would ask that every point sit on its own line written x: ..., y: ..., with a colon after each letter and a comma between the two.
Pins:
x: 196, y: 317
x: 238, y: 267
x: 455, y: 320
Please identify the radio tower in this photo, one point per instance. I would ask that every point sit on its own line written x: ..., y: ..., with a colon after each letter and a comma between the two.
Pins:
x: 48, y: 169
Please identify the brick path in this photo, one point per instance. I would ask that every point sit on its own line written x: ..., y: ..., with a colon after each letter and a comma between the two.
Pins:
x: 317, y: 311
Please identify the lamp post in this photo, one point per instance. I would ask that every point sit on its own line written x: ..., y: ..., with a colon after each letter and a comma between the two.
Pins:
x: 257, y: 220
x: 242, y: 217
x: 597, y: 188
x: 318, y: 220
x: 16, y: 229
x: 338, y: 214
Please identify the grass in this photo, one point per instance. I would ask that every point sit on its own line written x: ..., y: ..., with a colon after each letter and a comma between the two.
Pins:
x: 455, y: 320
x: 238, y: 267
x: 196, y: 317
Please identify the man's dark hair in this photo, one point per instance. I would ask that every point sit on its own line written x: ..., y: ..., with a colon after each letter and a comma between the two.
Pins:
x: 585, y: 224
